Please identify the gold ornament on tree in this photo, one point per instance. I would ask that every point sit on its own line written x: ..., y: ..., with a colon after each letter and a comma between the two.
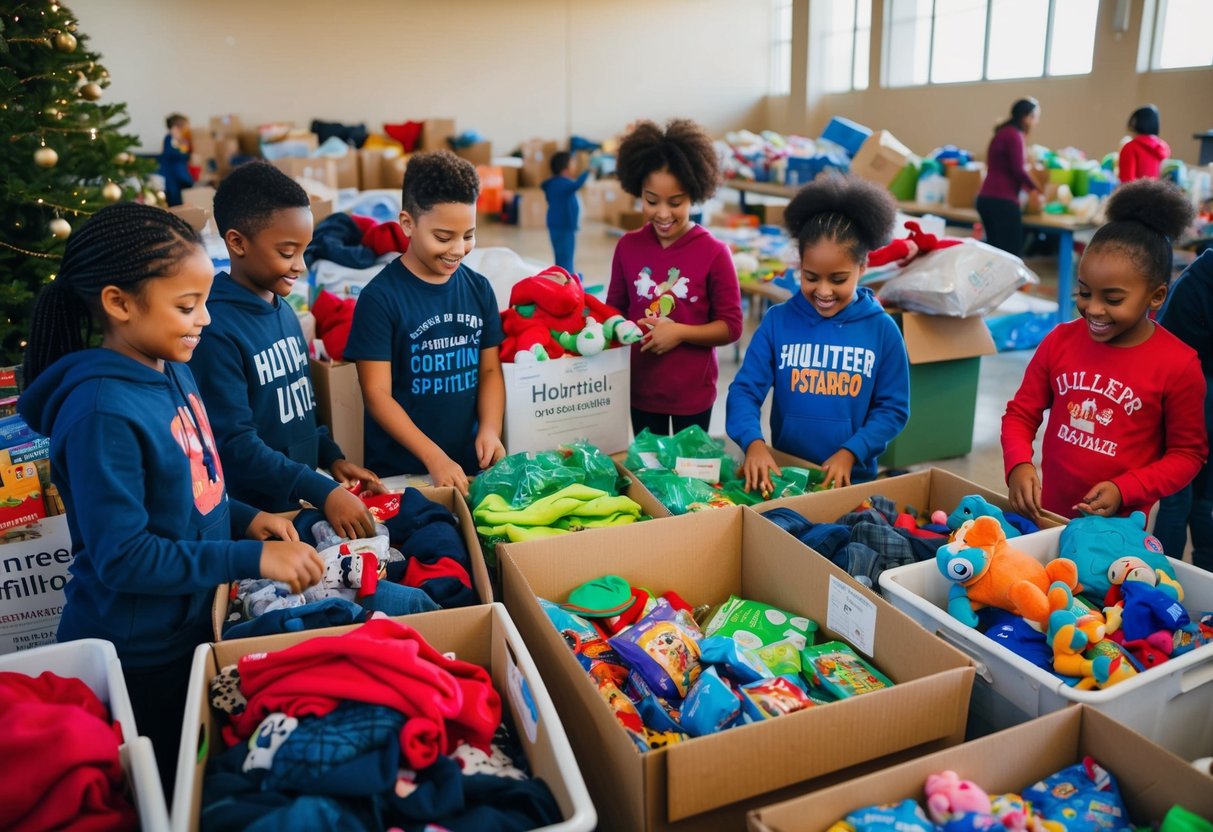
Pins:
x: 46, y: 157
x: 90, y: 91
x: 65, y: 42
x: 60, y: 228
x: 111, y: 192
x: 124, y: 158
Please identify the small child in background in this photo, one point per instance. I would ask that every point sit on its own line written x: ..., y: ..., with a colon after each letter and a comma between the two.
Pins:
x: 252, y: 366
x: 1141, y: 157
x: 175, y: 158
x: 426, y: 336
x: 1125, y: 397
x: 1188, y: 314
x: 834, y: 357
x: 135, y: 461
x: 672, y: 277
x: 564, y: 208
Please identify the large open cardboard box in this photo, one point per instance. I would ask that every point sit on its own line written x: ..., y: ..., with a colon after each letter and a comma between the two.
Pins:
x: 339, y: 404
x: 881, y: 158
x: 945, y: 359
x: 1151, y: 779
x: 710, y: 782
x: 481, y: 635
x: 446, y: 496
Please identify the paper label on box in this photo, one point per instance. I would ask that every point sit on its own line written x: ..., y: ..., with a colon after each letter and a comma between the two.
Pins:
x: 520, y: 694
x: 649, y: 459
x: 699, y: 469
x: 34, y: 559
x: 576, y: 397
x: 852, y: 616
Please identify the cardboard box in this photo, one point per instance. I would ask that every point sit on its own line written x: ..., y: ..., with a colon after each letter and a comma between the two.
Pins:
x: 480, y: 153
x: 392, y: 171
x: 95, y: 663
x: 509, y: 177
x: 945, y: 360
x: 1151, y: 779
x: 248, y: 142
x: 881, y: 158
x: 1171, y: 703
x: 226, y: 125
x: 446, y: 496
x: 482, y: 635
x: 604, y: 199
x: 532, y: 208
x: 436, y: 132
x: 535, y: 165
x: 576, y: 397
x: 226, y: 147
x: 630, y: 220
x: 370, y: 169
x: 339, y: 404
x: 926, y: 490
x: 201, y: 197
x: 192, y: 214
x: 349, y: 174
x: 34, y: 562
x: 710, y: 782
x: 322, y: 170
x: 321, y: 208
x: 963, y: 185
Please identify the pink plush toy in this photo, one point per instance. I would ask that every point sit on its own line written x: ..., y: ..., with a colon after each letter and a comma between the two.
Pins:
x: 949, y: 797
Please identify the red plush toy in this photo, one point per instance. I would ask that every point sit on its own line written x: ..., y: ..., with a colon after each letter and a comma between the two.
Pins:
x: 903, y: 251
x: 551, y: 315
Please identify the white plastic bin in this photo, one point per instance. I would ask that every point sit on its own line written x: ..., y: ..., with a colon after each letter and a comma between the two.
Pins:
x: 484, y: 635
x: 95, y: 662
x: 1171, y: 704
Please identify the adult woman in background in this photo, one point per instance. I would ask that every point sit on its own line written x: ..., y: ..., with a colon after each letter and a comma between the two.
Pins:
x: 1006, y: 176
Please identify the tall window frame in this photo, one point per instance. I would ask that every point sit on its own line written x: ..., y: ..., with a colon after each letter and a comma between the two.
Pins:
x: 853, y: 30
x: 780, y: 82
x: 1175, y: 35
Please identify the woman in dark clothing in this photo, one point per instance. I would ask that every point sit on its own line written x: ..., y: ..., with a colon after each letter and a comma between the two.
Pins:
x: 1006, y: 176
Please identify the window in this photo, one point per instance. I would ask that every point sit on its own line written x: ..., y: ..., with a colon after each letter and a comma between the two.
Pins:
x: 949, y: 41
x: 781, y: 48
x: 1180, y: 31
x: 842, y: 38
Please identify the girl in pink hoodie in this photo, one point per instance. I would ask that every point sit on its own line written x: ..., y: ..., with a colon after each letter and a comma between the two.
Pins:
x: 1143, y: 155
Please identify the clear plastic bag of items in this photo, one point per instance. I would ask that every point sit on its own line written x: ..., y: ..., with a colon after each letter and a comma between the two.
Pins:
x: 969, y: 279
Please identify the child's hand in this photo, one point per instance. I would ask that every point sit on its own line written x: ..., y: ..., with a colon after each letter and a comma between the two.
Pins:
x: 295, y: 564
x: 347, y: 473
x: 444, y: 471
x: 663, y: 335
x: 266, y: 526
x: 758, y: 466
x: 488, y: 448
x: 1104, y: 499
x: 1023, y: 487
x: 348, y: 515
x: 837, y: 468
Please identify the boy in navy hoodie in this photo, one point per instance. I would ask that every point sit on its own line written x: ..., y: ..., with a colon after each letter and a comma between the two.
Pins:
x: 252, y: 363
x: 835, y: 359
x: 564, y: 211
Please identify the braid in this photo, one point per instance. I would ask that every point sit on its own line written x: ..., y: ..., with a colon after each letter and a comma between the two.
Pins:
x: 121, y: 245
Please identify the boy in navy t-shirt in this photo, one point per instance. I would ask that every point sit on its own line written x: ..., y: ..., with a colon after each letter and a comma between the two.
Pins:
x: 426, y: 335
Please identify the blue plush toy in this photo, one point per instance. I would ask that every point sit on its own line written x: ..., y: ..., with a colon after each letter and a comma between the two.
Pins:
x: 972, y: 507
x: 1097, y: 544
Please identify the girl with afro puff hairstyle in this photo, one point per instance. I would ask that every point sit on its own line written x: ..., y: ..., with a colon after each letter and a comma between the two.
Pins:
x: 835, y: 359
x: 1125, y: 397
x: 672, y: 277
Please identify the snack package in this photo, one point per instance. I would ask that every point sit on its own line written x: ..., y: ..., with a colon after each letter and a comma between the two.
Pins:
x: 773, y: 697
x: 838, y: 670
x: 625, y: 713
x: 739, y: 663
x: 663, y: 647
x: 1082, y: 798
x: 593, y: 652
x: 754, y: 624
x: 782, y: 657
x: 711, y: 706
x: 906, y: 816
x: 659, y: 714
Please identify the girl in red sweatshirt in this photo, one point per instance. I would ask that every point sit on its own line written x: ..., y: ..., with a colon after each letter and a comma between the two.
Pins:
x: 1125, y: 397
x: 1142, y: 156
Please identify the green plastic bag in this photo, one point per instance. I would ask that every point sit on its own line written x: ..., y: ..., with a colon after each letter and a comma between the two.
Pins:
x: 644, y: 452
x: 597, y: 470
x: 681, y: 494
x: 690, y: 452
x: 521, y: 479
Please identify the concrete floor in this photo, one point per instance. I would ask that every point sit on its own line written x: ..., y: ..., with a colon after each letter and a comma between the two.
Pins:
x: 1000, y: 374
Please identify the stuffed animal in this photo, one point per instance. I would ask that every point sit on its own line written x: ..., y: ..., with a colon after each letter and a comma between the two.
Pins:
x: 902, y: 251
x: 949, y: 798
x: 974, y: 506
x: 1098, y: 544
x: 548, y: 314
x: 986, y: 571
x: 1073, y: 631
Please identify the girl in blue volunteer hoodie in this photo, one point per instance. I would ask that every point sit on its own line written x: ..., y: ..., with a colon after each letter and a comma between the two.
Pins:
x: 133, y: 456
x: 835, y: 359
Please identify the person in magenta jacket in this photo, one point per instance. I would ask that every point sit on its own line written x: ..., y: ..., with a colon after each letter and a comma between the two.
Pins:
x: 672, y: 277
x: 1006, y: 176
x: 1142, y: 156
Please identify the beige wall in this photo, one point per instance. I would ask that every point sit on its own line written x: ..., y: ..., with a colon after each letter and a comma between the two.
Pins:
x: 1088, y: 112
x: 510, y: 69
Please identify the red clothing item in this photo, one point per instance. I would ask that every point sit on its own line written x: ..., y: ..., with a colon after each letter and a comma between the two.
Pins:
x: 1142, y: 158
x: 382, y: 662
x: 381, y: 237
x: 1006, y: 174
x: 61, y: 750
x: 1133, y: 416
x: 691, y: 282
x: 334, y: 320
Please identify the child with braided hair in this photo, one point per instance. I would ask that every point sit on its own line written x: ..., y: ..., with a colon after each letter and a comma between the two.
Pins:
x: 134, y: 458
x: 835, y: 359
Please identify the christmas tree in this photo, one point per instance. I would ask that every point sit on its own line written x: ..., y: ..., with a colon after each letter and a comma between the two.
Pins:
x: 64, y: 155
